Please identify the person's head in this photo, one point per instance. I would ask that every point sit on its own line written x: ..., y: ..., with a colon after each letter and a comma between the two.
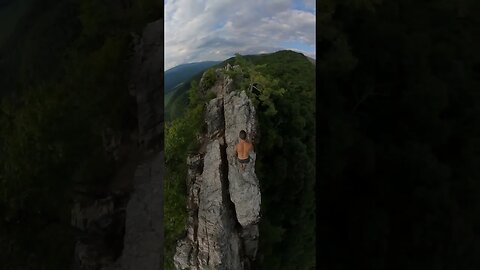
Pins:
x: 243, y: 134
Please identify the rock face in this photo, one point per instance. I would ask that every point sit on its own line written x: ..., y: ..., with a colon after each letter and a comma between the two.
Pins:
x: 98, y: 221
x: 243, y: 186
x: 123, y: 229
x: 143, y: 240
x: 244, y: 191
x: 224, y: 202
x: 84, y: 217
x: 147, y: 85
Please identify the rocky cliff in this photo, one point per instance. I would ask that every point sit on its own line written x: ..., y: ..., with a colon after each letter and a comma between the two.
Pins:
x: 143, y: 241
x: 122, y: 227
x: 223, y: 201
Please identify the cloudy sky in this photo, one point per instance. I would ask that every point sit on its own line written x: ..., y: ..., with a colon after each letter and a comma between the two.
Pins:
x: 200, y: 30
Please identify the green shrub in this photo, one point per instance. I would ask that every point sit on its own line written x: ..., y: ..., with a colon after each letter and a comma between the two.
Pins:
x: 180, y: 140
x: 208, y: 79
x: 210, y: 95
x: 285, y: 156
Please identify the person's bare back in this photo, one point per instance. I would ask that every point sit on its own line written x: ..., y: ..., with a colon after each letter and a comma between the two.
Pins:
x: 242, y: 149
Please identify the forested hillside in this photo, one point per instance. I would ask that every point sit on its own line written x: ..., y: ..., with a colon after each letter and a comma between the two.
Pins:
x: 176, y: 100
x: 399, y: 114
x: 284, y: 96
x: 183, y: 73
x: 63, y: 81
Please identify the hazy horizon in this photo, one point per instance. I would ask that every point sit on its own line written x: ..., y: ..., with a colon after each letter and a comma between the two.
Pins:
x: 196, y: 62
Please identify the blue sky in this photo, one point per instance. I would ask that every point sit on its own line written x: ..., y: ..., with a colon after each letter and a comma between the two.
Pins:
x: 200, y: 30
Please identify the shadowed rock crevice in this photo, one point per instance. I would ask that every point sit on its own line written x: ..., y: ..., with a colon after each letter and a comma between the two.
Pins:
x: 225, y: 186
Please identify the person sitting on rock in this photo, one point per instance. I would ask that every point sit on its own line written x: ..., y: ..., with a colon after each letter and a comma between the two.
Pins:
x: 242, y: 149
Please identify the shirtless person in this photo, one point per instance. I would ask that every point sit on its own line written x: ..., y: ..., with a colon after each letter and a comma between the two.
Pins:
x: 242, y: 149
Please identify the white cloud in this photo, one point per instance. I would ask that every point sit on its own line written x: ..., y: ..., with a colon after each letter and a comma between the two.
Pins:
x: 199, y: 30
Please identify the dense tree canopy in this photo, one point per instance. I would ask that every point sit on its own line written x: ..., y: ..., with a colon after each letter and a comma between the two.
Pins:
x: 285, y: 158
x: 64, y: 81
x: 399, y: 109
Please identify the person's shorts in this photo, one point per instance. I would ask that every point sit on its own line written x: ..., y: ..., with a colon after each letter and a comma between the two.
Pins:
x: 244, y: 160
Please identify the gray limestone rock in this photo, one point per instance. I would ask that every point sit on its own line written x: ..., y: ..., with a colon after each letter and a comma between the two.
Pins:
x: 214, y: 117
x: 147, y: 86
x: 143, y: 240
x: 244, y: 186
x: 83, y: 217
x: 212, y: 241
x: 142, y: 176
x: 223, y: 201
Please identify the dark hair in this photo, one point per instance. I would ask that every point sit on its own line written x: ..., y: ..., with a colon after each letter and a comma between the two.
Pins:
x: 243, y: 134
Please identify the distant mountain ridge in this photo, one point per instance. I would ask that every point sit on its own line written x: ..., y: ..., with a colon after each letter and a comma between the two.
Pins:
x: 176, y: 98
x: 184, y: 72
x: 312, y: 60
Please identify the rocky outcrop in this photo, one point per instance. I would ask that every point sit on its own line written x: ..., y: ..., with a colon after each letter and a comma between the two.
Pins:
x: 99, y: 223
x: 121, y: 228
x: 84, y: 217
x: 213, y: 231
x: 223, y: 201
x: 243, y: 185
x: 143, y: 240
x: 244, y: 191
x: 147, y: 85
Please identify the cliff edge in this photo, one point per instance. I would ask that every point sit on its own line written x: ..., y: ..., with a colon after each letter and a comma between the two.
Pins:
x: 223, y: 200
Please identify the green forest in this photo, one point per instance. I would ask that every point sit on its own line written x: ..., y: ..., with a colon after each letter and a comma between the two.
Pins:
x: 399, y: 134
x: 177, y: 100
x: 64, y: 70
x: 285, y: 162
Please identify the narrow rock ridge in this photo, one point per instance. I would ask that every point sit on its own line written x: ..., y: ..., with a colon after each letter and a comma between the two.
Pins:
x: 223, y: 202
